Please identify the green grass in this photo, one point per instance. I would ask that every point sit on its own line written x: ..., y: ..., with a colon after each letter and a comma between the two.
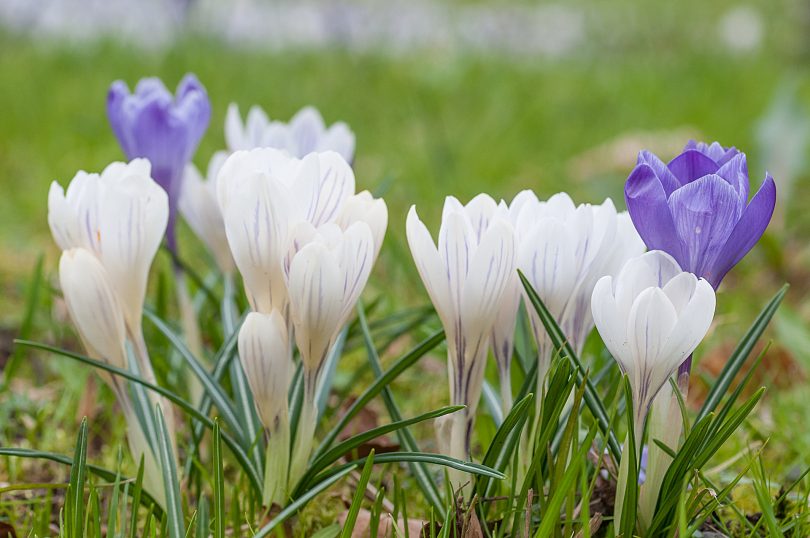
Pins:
x: 427, y: 125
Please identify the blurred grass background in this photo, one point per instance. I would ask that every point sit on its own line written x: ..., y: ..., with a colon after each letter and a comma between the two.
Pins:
x: 435, y: 122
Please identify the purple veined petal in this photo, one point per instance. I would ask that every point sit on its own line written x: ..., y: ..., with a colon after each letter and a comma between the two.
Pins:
x: 715, y: 151
x: 149, y: 86
x: 665, y: 176
x: 746, y: 233
x: 306, y: 127
x: 649, y: 211
x: 705, y: 212
x: 117, y: 98
x: 691, y: 165
x: 190, y: 83
x: 735, y: 171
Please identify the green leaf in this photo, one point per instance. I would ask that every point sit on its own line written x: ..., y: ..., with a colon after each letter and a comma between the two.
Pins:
x: 202, y: 518
x: 502, y: 447
x: 235, y: 448
x: 562, y: 346
x: 298, y: 503
x: 380, y: 384
x: 171, y: 482
x: 341, y: 449
x: 354, y: 509
x: 105, y: 474
x: 740, y: 354
x: 211, y: 387
x: 78, y: 476
x: 219, y: 486
x: 422, y: 457
x: 137, y: 492
x: 628, y: 522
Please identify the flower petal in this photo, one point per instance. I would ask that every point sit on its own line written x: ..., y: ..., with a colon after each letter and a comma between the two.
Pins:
x: 457, y: 244
x: 611, y: 322
x: 735, y: 171
x: 705, y: 212
x: 693, y: 323
x: 338, y: 138
x: 93, y: 306
x: 651, y: 320
x: 668, y: 180
x: 264, y: 351
x: 356, y: 261
x: 647, y: 204
x: 746, y: 233
x: 691, y: 165
x: 491, y: 267
x: 431, y: 268
x: 306, y: 128
x: 316, y: 294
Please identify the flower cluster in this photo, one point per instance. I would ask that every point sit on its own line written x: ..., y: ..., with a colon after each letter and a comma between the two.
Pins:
x: 280, y: 207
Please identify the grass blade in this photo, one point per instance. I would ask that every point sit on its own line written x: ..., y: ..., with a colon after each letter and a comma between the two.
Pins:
x: 351, y: 517
x: 298, y: 503
x: 78, y: 476
x: 219, y: 486
x: 232, y: 444
x: 740, y: 354
x: 564, y: 349
x: 171, y: 482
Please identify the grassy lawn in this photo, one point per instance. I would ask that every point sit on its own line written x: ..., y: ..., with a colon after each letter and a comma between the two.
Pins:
x: 427, y: 126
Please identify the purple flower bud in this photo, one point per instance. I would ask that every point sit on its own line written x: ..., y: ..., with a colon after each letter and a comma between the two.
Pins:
x: 696, y: 207
x: 164, y: 128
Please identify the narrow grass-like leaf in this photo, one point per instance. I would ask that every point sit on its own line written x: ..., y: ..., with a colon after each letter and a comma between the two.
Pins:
x: 354, y: 509
x: 420, y: 473
x: 341, y: 449
x: 171, y: 482
x: 329, y: 369
x: 500, y: 450
x: 78, y: 476
x: 569, y: 479
x: 219, y: 485
x: 380, y: 384
x: 137, y: 492
x: 112, y: 511
x: 422, y: 457
x: 211, y: 387
x: 630, y: 505
x: 298, y: 503
x: 740, y: 353
x: 563, y: 347
x: 232, y: 444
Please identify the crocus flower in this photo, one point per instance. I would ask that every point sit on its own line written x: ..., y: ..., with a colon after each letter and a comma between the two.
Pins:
x: 466, y: 278
x: 305, y: 133
x: 109, y: 227
x: 262, y: 194
x: 200, y: 208
x: 265, y: 354
x: 651, y: 317
x: 696, y: 207
x: 564, y: 249
x: 120, y: 216
x: 164, y: 128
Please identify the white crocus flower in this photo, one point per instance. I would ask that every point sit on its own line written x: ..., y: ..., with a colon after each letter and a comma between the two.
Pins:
x: 120, y: 216
x: 262, y: 193
x: 109, y: 227
x: 564, y: 249
x: 466, y: 278
x: 327, y: 271
x: 503, y: 332
x: 198, y: 205
x: 305, y: 133
x: 373, y: 211
x: 265, y: 354
x: 651, y: 317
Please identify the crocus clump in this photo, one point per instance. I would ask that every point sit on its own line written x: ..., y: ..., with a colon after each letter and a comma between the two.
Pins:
x: 696, y: 207
x: 164, y: 128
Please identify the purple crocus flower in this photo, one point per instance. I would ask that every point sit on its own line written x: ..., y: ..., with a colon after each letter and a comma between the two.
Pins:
x: 696, y: 207
x: 164, y: 128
